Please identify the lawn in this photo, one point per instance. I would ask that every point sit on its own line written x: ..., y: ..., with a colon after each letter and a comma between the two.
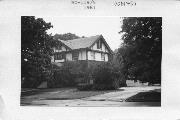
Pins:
x: 69, y: 96
x: 60, y: 94
x: 150, y: 96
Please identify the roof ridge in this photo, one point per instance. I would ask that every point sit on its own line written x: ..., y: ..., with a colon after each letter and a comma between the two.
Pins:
x: 84, y: 37
x: 81, y: 42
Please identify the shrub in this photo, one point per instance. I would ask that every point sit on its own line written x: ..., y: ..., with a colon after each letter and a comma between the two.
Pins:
x: 68, y: 74
x: 84, y: 86
x: 62, y: 77
x: 106, y: 77
x: 35, y: 78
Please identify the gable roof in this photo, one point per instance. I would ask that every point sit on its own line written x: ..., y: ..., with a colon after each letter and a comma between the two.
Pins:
x: 86, y: 42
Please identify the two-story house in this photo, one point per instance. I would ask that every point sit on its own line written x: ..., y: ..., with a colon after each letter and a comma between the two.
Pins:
x: 85, y: 52
x: 93, y: 48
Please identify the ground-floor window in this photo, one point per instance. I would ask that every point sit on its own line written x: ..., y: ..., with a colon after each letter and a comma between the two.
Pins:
x: 93, y: 55
x: 75, y: 55
x: 102, y: 56
x: 59, y: 56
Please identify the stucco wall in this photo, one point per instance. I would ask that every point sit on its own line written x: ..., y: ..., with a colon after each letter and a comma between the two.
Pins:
x: 104, y: 49
x: 69, y: 56
x: 60, y: 60
x: 89, y: 55
x: 97, y: 56
x: 82, y: 55
x: 106, y: 57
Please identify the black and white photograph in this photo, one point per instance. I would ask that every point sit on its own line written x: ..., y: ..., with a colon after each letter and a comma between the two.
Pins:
x: 91, y: 61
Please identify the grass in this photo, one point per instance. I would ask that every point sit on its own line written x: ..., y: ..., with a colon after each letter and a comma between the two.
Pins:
x: 56, y: 94
x: 60, y: 94
x: 151, y: 96
x: 75, y: 94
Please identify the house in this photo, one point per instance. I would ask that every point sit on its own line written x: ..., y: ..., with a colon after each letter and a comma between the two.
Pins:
x: 133, y: 83
x: 84, y: 52
x: 93, y: 48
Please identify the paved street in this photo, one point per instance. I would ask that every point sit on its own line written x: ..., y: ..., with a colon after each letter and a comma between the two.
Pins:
x: 72, y: 97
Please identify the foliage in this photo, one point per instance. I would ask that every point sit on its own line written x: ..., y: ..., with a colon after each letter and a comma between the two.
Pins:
x: 66, y: 36
x: 141, y: 51
x: 78, y: 73
x: 84, y: 87
x: 62, y: 78
x: 67, y: 74
x: 106, y: 76
x: 36, y: 51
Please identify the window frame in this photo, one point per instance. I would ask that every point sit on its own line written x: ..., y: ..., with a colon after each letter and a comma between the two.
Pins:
x: 99, y: 44
x: 93, y: 55
x: 75, y: 55
x: 59, y: 47
x: 103, y: 56
x: 59, y: 56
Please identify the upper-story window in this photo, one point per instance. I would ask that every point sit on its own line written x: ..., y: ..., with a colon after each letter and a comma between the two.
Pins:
x: 99, y: 44
x: 59, y: 47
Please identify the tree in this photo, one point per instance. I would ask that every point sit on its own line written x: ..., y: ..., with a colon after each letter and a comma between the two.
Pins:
x: 66, y: 36
x: 141, y: 50
x: 36, y: 51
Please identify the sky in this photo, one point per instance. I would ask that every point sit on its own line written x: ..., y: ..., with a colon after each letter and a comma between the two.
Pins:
x: 88, y: 26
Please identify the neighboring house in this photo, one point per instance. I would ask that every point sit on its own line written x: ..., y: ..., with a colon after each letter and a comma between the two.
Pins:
x: 93, y: 48
x: 132, y: 83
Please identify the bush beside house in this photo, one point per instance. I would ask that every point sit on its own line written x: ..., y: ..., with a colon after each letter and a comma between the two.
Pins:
x: 105, y: 76
x: 87, y: 76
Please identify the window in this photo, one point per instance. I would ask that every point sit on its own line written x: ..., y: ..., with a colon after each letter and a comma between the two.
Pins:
x: 75, y: 55
x: 99, y: 44
x: 55, y: 57
x: 59, y: 47
x: 59, y: 56
x: 103, y: 56
x: 93, y: 55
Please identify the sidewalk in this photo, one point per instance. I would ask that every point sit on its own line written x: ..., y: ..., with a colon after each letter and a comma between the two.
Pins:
x: 122, y: 95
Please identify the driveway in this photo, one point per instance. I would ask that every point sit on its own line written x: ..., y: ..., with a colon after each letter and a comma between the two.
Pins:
x: 125, y: 96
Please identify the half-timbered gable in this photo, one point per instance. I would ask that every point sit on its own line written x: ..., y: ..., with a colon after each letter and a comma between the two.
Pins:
x: 92, y: 48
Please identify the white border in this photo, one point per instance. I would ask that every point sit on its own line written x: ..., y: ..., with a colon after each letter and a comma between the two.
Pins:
x: 10, y: 45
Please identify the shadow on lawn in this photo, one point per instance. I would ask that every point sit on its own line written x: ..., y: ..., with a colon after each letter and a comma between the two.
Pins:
x: 150, y: 96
